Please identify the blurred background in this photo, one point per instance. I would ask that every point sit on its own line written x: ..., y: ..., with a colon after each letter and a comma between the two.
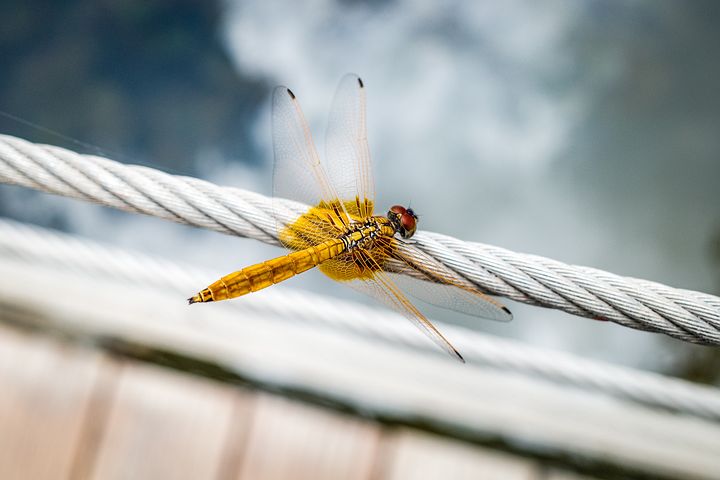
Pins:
x: 581, y: 131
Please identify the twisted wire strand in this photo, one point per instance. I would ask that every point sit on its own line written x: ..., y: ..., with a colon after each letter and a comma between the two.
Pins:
x: 639, y: 304
x: 38, y: 246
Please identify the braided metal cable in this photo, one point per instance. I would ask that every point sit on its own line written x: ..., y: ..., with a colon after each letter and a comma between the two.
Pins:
x: 38, y: 246
x: 687, y: 315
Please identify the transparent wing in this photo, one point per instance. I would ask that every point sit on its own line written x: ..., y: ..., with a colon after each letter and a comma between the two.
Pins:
x: 346, y: 148
x: 359, y: 270
x: 452, y: 297
x: 424, y: 278
x: 298, y: 173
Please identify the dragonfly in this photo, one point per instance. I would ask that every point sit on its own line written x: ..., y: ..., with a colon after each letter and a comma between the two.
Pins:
x: 339, y: 232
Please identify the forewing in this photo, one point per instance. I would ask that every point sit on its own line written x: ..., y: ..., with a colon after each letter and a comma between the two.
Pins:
x: 346, y: 148
x: 298, y: 173
x: 359, y: 270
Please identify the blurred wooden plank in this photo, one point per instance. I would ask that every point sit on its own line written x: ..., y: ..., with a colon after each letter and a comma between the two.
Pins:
x: 422, y: 456
x: 46, y: 388
x: 236, y: 439
x: 165, y: 425
x: 95, y: 421
x: 291, y: 440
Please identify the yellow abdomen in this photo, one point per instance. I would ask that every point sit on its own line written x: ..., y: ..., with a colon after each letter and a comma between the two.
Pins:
x: 262, y: 275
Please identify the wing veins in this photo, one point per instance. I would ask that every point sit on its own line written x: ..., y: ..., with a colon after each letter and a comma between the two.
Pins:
x: 437, y: 276
x: 402, y: 304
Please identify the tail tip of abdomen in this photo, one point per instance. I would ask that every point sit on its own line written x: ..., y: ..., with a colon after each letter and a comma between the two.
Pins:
x: 204, y: 296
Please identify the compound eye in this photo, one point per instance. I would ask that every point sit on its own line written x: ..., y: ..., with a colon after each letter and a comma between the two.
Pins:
x: 408, y: 222
x: 400, y: 210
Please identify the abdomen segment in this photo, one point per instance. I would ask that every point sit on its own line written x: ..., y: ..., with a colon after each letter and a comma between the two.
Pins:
x: 262, y: 275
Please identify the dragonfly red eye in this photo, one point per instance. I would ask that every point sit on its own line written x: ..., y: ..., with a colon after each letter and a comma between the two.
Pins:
x: 398, y: 209
x: 408, y: 222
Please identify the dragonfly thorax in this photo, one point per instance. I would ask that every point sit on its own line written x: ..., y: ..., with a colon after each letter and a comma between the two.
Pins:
x: 363, y: 234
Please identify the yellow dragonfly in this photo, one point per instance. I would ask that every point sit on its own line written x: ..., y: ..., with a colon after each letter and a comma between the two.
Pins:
x: 339, y: 232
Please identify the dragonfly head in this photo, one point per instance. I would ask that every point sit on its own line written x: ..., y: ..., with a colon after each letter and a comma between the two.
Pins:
x: 404, y: 220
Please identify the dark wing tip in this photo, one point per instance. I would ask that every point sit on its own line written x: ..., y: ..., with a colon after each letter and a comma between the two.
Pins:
x: 507, y: 310
x: 191, y: 300
x: 360, y: 82
x: 459, y: 357
x: 292, y: 95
